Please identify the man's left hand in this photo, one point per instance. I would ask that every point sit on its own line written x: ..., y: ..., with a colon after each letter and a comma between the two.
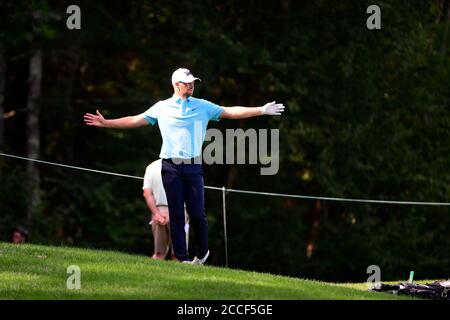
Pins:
x: 273, y: 109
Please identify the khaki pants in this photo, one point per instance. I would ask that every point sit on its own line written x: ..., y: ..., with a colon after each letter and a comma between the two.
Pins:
x: 161, y: 235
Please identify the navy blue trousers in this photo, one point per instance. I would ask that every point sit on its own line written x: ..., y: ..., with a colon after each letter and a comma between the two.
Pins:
x: 184, y: 184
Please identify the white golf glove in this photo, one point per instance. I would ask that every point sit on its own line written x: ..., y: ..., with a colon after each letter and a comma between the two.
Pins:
x: 272, y: 109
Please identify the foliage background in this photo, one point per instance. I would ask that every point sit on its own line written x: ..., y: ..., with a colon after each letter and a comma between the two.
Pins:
x: 368, y: 116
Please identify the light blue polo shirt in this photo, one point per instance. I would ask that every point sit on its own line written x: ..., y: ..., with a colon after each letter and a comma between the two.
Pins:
x: 183, y: 124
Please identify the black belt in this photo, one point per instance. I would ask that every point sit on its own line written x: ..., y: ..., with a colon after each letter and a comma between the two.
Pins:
x: 177, y: 161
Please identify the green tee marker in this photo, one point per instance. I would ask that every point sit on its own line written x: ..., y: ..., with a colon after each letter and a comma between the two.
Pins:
x: 411, y: 277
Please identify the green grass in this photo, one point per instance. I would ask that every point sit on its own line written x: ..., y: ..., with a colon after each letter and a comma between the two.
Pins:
x: 40, y: 272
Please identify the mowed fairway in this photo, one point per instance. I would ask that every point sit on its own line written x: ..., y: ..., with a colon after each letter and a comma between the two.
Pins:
x: 40, y: 272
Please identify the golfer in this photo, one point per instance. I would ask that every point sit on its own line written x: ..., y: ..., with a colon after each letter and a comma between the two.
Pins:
x: 183, y: 120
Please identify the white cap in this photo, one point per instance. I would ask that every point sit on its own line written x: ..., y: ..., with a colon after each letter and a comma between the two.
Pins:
x: 183, y: 75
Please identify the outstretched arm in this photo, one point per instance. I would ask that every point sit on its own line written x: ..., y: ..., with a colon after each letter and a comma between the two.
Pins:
x: 270, y: 108
x: 98, y: 120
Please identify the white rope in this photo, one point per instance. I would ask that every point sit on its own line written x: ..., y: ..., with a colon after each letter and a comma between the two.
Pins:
x: 71, y: 167
x: 342, y: 199
x: 244, y: 191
